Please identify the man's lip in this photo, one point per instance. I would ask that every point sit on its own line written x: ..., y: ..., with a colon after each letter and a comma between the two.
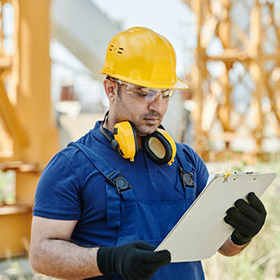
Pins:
x: 151, y: 121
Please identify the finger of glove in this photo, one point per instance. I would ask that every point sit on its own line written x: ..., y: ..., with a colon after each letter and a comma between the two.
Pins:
x: 248, y: 210
x: 142, y: 270
x: 255, y: 202
x: 144, y: 246
x: 152, y: 267
x: 146, y: 270
x: 239, y: 239
x: 161, y: 257
x: 135, y: 276
x: 240, y: 236
x: 242, y: 229
x: 235, y: 217
x: 134, y: 270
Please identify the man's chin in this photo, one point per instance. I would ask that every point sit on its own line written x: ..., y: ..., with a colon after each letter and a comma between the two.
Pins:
x: 146, y: 131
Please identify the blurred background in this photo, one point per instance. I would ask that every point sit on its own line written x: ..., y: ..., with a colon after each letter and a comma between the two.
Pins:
x: 228, y: 51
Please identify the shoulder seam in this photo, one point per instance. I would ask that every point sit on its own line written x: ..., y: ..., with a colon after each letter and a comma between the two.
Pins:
x: 187, y: 153
x: 69, y: 162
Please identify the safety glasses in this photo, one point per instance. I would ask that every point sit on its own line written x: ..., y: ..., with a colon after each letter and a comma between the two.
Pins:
x: 146, y: 94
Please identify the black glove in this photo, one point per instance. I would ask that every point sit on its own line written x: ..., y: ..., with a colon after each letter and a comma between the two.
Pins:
x: 247, y: 218
x: 134, y: 261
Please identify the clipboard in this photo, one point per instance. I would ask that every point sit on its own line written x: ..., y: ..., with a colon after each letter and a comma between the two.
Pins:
x: 201, y: 231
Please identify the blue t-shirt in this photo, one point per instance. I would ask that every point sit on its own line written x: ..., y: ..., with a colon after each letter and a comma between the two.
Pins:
x: 71, y: 188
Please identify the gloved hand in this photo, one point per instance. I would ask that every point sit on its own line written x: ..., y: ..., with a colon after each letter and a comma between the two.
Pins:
x: 134, y: 261
x: 247, y: 218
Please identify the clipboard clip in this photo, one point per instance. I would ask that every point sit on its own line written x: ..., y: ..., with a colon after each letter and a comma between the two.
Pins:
x: 226, y: 174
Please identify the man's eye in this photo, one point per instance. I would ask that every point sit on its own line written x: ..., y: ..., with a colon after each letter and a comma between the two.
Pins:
x: 141, y: 93
x: 165, y: 95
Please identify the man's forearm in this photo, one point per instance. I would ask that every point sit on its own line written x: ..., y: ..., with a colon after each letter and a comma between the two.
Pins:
x: 64, y: 260
x: 230, y: 249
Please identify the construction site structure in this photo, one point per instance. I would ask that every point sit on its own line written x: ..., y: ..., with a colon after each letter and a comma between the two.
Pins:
x: 246, y: 68
x: 236, y: 77
x: 28, y: 132
x: 26, y: 116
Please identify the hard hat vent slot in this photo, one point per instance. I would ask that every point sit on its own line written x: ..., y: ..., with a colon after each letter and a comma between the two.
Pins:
x: 114, y: 49
x: 120, y: 50
x: 111, y: 47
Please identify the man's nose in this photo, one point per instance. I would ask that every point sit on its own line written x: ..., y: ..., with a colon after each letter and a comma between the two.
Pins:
x: 157, y: 104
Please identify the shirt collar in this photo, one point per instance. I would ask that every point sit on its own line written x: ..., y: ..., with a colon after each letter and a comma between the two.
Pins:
x: 99, y: 136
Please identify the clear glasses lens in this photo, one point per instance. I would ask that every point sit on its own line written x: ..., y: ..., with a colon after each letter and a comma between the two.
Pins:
x: 147, y: 94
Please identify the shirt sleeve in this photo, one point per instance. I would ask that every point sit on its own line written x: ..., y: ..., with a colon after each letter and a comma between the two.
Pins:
x: 58, y: 191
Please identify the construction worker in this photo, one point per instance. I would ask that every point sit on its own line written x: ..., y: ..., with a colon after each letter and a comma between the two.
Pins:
x: 106, y: 201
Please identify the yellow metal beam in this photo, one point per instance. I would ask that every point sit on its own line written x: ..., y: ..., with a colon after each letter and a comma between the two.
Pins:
x: 33, y: 97
x: 10, y: 117
x: 15, y: 230
x: 30, y: 92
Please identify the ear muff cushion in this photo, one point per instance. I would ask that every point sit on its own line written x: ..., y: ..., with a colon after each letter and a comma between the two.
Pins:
x: 157, y: 148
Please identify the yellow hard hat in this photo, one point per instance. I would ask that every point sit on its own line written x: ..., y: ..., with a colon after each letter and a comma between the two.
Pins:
x: 143, y: 57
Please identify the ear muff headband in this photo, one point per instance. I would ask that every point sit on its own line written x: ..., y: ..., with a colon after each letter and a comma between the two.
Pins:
x: 160, y: 147
x: 113, y: 142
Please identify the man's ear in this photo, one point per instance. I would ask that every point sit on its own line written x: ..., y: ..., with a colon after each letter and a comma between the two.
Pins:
x: 110, y: 89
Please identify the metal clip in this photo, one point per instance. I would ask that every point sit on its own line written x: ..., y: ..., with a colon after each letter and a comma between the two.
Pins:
x: 226, y: 175
x: 187, y: 178
x: 117, y: 179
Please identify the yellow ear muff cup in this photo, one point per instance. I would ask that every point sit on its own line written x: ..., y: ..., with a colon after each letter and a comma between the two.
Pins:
x: 157, y: 148
x: 125, y: 136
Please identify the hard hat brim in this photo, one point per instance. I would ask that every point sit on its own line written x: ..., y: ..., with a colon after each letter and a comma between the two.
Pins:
x: 179, y: 84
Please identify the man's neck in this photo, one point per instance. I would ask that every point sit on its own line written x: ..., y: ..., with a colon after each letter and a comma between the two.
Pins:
x: 110, y: 126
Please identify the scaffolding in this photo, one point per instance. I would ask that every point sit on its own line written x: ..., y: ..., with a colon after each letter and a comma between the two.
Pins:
x: 28, y: 136
x: 236, y: 77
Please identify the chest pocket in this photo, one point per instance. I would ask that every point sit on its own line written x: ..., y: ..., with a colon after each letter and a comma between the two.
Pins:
x: 141, y: 220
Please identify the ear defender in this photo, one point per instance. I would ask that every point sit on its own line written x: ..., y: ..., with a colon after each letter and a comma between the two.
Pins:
x: 124, y: 141
x: 160, y: 147
x: 125, y: 136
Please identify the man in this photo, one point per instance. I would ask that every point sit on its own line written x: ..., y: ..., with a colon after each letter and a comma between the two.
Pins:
x: 106, y: 201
